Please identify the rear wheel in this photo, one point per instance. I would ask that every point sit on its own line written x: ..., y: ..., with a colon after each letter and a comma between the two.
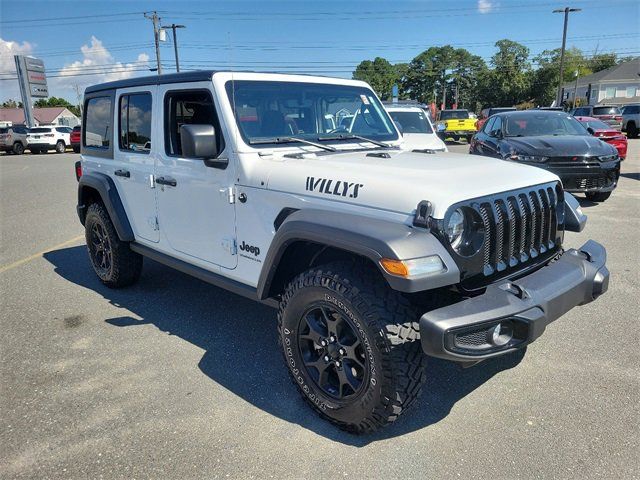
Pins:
x: 60, y: 147
x: 351, y: 345
x: 18, y: 148
x: 115, y: 264
x: 632, y: 130
x: 76, y: 149
x: 598, y: 196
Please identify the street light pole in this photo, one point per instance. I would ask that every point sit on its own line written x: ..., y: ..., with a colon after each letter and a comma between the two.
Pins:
x: 566, y: 11
x: 173, y: 27
x: 154, y: 18
x: 575, y: 90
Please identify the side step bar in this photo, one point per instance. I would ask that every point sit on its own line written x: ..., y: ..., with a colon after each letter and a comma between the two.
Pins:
x: 202, y: 274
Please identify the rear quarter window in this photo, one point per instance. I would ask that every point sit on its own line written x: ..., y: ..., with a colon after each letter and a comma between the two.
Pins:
x: 98, y: 123
x: 606, y: 111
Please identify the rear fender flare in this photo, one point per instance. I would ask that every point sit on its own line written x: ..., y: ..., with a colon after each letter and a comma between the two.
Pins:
x: 106, y: 188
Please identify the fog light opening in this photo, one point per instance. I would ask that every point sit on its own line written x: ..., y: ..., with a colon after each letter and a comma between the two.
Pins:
x: 502, y: 333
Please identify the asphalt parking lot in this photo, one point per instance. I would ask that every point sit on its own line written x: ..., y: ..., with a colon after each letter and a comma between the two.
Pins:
x: 174, y: 378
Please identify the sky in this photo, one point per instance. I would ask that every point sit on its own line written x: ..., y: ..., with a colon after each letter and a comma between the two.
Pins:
x: 92, y: 41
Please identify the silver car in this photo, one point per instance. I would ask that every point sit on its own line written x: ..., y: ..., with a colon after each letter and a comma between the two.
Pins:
x: 13, y: 139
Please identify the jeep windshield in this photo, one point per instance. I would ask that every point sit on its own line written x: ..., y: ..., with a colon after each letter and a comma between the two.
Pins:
x: 277, y: 113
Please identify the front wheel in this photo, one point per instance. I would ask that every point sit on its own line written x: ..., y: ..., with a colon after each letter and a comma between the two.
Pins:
x: 351, y: 345
x: 598, y: 196
x: 115, y: 264
x: 18, y: 148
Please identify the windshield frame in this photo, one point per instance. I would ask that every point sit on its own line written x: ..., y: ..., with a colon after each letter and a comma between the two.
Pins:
x: 392, y: 138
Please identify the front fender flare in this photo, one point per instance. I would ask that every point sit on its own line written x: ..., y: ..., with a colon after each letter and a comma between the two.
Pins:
x: 105, y: 187
x: 368, y: 237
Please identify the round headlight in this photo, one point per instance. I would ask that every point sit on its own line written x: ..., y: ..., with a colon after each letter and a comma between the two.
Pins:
x: 455, y: 227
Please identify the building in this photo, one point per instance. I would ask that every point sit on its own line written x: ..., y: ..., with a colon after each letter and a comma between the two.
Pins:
x: 42, y: 116
x: 618, y: 85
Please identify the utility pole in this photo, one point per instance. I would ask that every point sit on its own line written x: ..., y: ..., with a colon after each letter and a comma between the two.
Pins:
x: 173, y: 27
x: 444, y: 90
x: 566, y: 11
x: 575, y: 90
x: 155, y: 19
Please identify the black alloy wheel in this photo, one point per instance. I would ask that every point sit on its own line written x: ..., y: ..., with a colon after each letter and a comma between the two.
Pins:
x: 332, y: 352
x: 100, y: 248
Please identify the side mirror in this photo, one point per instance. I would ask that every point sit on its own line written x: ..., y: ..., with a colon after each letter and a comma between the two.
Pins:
x: 591, y: 131
x: 399, y: 127
x: 199, y: 141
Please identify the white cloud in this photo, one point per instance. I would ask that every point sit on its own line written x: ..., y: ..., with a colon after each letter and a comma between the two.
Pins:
x: 97, y: 66
x: 8, y: 49
x: 486, y: 6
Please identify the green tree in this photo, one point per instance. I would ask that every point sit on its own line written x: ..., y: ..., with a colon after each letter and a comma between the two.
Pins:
x: 602, y: 61
x: 11, y: 103
x: 544, y: 86
x: 380, y: 74
x: 439, y: 68
x: 57, y: 102
x: 508, y: 82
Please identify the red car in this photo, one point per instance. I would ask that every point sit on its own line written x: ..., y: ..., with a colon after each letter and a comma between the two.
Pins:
x: 606, y: 132
x: 75, y: 138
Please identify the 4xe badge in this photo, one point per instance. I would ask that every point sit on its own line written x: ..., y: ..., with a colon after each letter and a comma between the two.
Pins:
x: 333, y: 187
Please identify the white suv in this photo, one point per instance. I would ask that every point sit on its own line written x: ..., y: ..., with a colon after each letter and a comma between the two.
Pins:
x: 416, y: 127
x: 373, y: 256
x: 44, y: 138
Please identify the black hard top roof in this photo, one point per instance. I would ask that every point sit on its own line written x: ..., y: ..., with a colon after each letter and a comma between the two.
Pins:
x: 195, y: 76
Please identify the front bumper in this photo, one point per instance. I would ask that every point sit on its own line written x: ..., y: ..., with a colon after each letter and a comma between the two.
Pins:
x: 586, y: 177
x: 466, y: 331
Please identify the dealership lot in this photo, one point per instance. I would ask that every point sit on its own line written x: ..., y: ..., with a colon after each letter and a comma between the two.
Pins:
x: 176, y: 378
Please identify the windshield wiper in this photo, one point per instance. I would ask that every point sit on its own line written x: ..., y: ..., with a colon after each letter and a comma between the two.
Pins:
x: 262, y: 141
x: 354, y: 137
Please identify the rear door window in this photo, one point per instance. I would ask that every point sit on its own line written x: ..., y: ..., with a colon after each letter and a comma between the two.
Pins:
x: 135, y: 122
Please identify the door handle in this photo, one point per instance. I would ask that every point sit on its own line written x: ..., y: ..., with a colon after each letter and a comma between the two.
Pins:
x: 123, y: 173
x: 166, y: 181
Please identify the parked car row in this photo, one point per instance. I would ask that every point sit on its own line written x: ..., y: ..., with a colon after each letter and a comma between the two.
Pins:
x: 18, y: 138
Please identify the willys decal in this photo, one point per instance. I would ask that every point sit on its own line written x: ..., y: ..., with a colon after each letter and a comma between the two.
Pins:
x: 340, y: 188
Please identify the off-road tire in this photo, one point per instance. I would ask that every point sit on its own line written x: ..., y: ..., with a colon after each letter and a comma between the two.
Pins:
x: 632, y: 130
x: 125, y: 265
x: 598, y: 196
x: 60, y: 146
x: 388, y: 326
x: 18, y: 148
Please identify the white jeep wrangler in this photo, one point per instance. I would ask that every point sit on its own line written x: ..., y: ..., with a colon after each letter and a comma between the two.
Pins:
x: 373, y: 256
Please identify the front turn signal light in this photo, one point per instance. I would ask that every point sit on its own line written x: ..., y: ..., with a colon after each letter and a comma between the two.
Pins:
x: 415, y: 267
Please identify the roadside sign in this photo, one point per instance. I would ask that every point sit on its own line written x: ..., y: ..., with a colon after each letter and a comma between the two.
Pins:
x: 39, y: 91
x: 36, y: 77
x: 32, y: 79
x: 34, y: 64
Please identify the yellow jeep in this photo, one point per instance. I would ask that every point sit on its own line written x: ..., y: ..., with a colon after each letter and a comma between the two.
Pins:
x: 456, y: 124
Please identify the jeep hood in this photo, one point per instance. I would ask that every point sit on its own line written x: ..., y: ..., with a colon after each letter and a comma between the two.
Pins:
x: 399, y: 182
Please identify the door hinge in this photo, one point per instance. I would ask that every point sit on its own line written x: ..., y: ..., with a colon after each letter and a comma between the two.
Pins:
x: 229, y: 244
x: 230, y: 193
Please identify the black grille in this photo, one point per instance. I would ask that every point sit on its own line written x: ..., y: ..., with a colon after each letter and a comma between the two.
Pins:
x: 518, y: 227
x: 589, y: 183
